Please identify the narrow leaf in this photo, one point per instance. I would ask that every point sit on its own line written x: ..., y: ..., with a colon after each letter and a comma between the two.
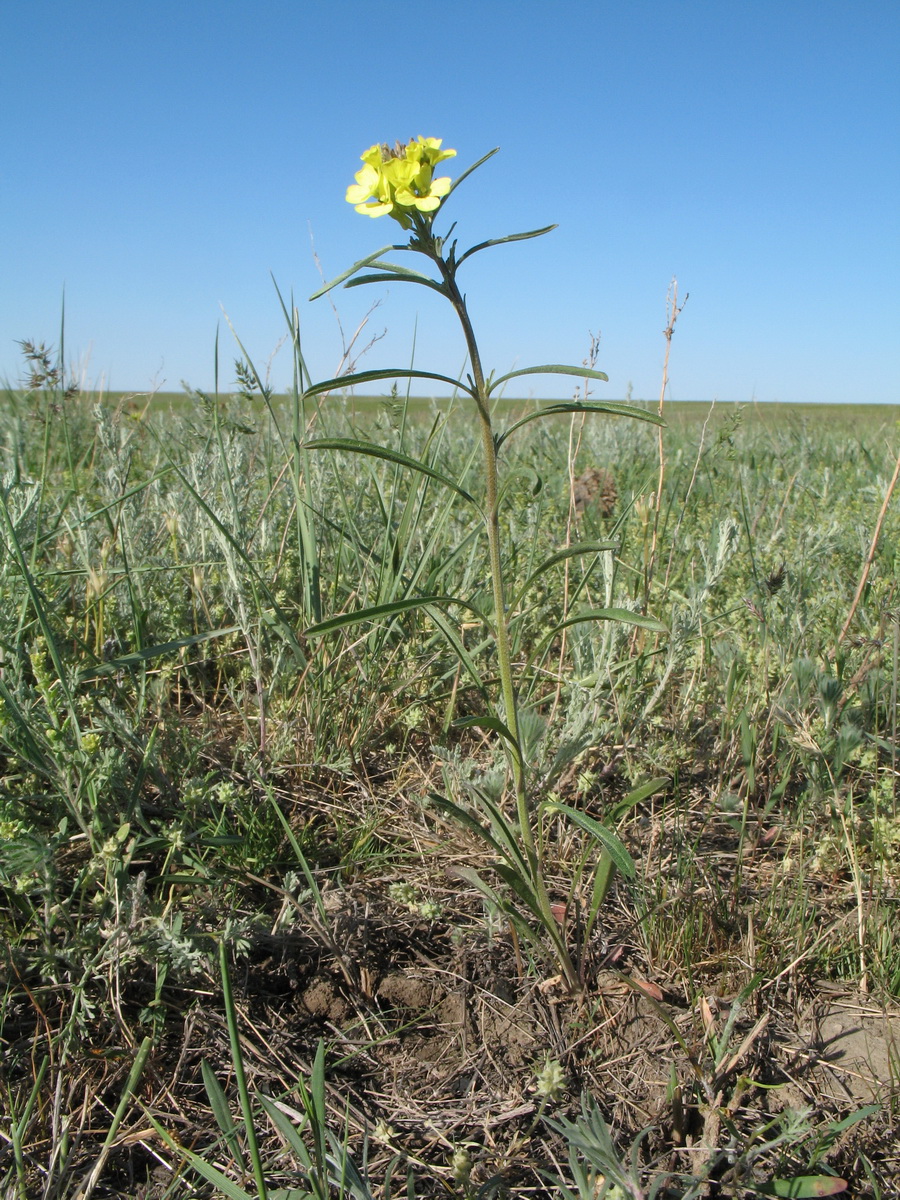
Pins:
x: 353, y: 446
x: 624, y: 615
x: 219, y: 1105
x: 468, y: 171
x: 612, y: 408
x: 406, y: 277
x: 126, y: 661
x: 465, y: 820
x: 574, y: 551
x: 617, y: 852
x: 377, y: 611
x: 552, y: 369
x: 516, y: 883
x: 210, y: 1173
x: 345, y: 381
x: 513, y: 237
x: 457, y: 645
x: 803, y: 1186
x: 363, y: 262
x: 286, y: 1127
x: 492, y: 723
x: 635, y: 797
x: 500, y: 902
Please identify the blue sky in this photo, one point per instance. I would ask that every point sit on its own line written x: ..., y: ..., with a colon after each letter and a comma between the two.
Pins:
x: 163, y: 161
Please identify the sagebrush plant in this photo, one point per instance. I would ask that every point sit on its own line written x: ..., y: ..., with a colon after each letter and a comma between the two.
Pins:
x: 399, y: 182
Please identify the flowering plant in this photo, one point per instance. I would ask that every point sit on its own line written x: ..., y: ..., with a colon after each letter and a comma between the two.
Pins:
x: 395, y: 181
x: 400, y: 183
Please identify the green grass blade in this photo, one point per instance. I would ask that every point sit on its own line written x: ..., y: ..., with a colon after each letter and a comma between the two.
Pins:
x: 237, y: 1059
x: 222, y: 1113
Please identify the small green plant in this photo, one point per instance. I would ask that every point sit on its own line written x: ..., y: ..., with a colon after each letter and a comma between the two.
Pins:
x: 400, y: 183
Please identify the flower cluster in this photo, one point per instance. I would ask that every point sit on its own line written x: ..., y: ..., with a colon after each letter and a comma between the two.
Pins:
x: 401, y: 180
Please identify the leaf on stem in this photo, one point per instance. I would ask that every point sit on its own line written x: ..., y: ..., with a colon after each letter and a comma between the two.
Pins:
x: 624, y: 615
x: 623, y: 861
x: 552, y: 369
x: 137, y: 657
x: 468, y: 171
x: 612, y: 408
x: 409, y: 277
x: 493, y: 723
x: 363, y: 262
x: 643, y: 792
x: 574, y: 551
x: 512, y: 237
x: 373, y: 450
x: 345, y: 381
x: 377, y: 611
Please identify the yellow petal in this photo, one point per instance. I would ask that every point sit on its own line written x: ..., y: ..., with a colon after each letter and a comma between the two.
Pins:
x: 427, y: 203
x: 374, y: 210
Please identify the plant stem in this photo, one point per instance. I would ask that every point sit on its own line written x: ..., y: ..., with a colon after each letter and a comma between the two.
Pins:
x: 492, y: 519
x: 504, y: 657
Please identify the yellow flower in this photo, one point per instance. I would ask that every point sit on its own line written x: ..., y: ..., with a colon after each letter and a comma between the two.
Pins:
x: 396, y: 181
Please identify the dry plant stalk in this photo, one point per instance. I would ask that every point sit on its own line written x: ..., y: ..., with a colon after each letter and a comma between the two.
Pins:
x: 673, y: 312
x: 573, y: 512
x: 870, y: 557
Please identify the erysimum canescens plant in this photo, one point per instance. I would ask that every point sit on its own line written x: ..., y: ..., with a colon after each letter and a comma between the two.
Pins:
x: 400, y: 182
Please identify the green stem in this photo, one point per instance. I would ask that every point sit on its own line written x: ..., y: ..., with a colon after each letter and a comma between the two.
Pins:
x: 504, y: 656
x: 492, y: 520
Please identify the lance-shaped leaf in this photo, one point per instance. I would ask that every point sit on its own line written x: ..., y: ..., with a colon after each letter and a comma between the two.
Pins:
x: 407, y: 277
x: 338, y: 279
x: 468, y: 171
x: 137, y: 657
x: 502, y: 905
x: 803, y: 1186
x: 643, y: 792
x: 612, y: 408
x: 485, y: 721
x: 466, y: 821
x: 378, y: 611
x: 345, y: 381
x: 353, y: 446
x: 611, y: 844
x: 551, y: 369
x: 456, y: 644
x: 574, y: 551
x: 512, y: 237
x: 624, y: 615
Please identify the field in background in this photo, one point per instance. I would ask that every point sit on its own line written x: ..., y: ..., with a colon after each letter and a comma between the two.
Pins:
x: 187, y: 779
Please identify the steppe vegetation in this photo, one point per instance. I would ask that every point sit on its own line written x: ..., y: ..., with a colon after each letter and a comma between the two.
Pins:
x: 222, y: 855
